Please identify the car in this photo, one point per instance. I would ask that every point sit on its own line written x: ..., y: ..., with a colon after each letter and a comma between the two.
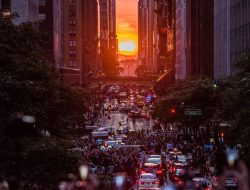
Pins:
x: 231, y: 182
x: 175, y: 173
x: 155, y: 156
x: 148, y: 181
x: 202, y: 183
x: 123, y: 129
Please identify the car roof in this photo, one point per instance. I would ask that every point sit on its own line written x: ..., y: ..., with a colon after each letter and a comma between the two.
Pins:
x: 151, y: 174
x: 155, y: 155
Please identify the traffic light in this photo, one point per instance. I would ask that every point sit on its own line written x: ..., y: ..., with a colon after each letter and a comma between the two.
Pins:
x: 172, y: 110
x: 221, y: 134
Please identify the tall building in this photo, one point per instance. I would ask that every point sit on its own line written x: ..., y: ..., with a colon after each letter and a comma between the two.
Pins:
x: 27, y: 10
x: 194, y: 38
x: 148, y: 34
x: 222, y: 65
x: 46, y: 25
x: 75, y: 29
x: 5, y: 7
x: 90, y: 37
x: 200, y: 37
x: 181, y: 27
x: 108, y: 38
x: 231, y: 34
x: 142, y: 31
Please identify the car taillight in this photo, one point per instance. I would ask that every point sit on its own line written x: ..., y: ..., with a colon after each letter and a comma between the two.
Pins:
x: 176, y: 178
x: 159, y: 172
x: 207, y: 188
x: 156, y: 182
x: 142, y: 171
x: 173, y: 169
x: 180, y: 183
x: 235, y: 180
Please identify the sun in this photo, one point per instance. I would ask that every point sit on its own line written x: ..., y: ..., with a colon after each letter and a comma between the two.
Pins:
x: 128, y: 47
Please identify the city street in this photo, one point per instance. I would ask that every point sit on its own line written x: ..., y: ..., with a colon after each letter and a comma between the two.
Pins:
x: 124, y: 94
x: 116, y: 117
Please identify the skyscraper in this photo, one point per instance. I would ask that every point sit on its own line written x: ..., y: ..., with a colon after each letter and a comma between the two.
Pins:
x: 75, y: 38
x: 181, y: 59
x: 231, y: 34
x: 108, y: 38
x: 194, y: 38
x: 90, y: 37
x: 148, y: 34
x: 27, y: 10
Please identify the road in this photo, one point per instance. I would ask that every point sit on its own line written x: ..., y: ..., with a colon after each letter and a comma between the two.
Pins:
x: 116, y: 117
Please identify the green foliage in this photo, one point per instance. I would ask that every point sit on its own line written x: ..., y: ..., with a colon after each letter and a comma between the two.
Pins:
x: 30, y: 84
x: 110, y: 64
x: 190, y: 93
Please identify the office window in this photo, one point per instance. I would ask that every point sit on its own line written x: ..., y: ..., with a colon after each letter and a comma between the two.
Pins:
x: 72, y: 2
x: 72, y: 13
x: 42, y: 3
x: 72, y: 43
x: 72, y: 32
x: 72, y: 63
x: 72, y: 22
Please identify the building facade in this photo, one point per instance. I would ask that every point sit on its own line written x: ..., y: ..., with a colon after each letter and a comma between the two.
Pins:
x: 27, y: 10
x: 181, y: 27
x: 239, y: 30
x: 231, y: 34
x: 142, y: 32
x: 108, y: 38
x: 222, y: 65
x: 148, y: 34
x: 75, y: 38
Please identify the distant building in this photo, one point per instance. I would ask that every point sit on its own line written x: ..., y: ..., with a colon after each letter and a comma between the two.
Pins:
x: 148, y: 34
x: 90, y: 38
x: 28, y: 10
x: 108, y: 38
x: 142, y: 31
x: 181, y: 27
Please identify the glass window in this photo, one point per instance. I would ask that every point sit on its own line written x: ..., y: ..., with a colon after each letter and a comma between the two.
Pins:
x: 72, y: 43
x: 72, y: 2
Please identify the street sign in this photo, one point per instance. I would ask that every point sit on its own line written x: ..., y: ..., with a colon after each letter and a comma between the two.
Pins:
x: 193, y: 112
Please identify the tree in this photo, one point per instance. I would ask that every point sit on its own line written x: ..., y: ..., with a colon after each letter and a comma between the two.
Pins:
x: 110, y: 64
x: 191, y: 93
x: 29, y: 84
x: 235, y: 106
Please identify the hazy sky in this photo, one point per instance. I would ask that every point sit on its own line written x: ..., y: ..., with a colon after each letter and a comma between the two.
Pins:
x: 127, y: 20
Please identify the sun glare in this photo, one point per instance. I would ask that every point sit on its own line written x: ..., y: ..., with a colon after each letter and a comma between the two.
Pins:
x: 127, y: 48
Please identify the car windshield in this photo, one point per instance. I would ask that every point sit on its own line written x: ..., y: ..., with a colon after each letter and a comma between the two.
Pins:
x: 154, y: 160
x: 178, y: 171
x: 148, y: 176
x: 110, y: 143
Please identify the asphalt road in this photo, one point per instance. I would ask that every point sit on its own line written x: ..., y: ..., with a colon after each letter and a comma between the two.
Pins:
x: 116, y: 117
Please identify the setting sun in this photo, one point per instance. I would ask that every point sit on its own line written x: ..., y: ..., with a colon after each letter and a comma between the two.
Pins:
x: 127, y: 27
x: 128, y: 48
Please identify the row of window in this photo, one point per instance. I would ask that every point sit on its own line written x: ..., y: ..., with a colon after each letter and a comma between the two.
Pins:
x: 72, y: 43
x: 72, y: 32
x: 72, y: 63
x: 72, y: 2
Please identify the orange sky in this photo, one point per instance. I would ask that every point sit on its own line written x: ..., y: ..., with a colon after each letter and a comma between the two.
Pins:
x: 127, y: 24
